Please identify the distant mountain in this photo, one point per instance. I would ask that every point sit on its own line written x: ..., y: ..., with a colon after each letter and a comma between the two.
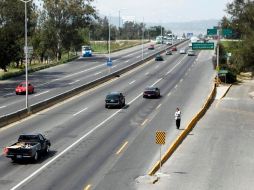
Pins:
x: 196, y: 27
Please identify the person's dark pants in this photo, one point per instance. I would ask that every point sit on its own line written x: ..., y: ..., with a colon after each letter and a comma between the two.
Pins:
x: 178, y: 121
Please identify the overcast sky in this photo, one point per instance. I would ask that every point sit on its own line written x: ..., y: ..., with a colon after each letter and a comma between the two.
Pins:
x: 164, y: 10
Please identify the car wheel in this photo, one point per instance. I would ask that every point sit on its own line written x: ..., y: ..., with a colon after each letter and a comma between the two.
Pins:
x: 17, y: 93
x: 47, y: 149
x: 36, y: 156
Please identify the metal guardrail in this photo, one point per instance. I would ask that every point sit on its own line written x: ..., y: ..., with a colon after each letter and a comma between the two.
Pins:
x: 23, y: 113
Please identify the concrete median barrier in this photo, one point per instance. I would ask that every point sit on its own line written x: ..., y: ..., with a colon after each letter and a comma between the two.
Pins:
x: 16, y: 116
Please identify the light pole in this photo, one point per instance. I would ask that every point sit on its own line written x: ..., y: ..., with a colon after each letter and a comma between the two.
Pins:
x: 143, y: 39
x: 26, y: 51
x: 109, y: 59
x: 119, y: 21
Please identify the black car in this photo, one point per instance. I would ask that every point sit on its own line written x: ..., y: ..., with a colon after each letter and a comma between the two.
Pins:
x: 151, y: 92
x: 115, y: 99
x: 158, y: 58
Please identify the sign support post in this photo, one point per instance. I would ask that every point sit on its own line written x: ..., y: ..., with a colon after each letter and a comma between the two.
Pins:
x: 160, y: 139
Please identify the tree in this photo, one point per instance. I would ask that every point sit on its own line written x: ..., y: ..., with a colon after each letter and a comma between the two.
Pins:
x: 63, y: 19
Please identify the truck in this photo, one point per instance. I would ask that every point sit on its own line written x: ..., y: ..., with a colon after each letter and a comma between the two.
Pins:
x: 29, y: 146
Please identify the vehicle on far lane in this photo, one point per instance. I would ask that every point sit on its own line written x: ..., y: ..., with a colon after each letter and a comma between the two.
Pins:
x: 174, y: 48
x: 183, y: 51
x: 29, y: 146
x: 86, y: 51
x: 158, y: 58
x: 151, y: 47
x: 21, y: 88
x: 191, y: 52
x: 168, y: 52
x: 151, y: 92
x: 115, y: 99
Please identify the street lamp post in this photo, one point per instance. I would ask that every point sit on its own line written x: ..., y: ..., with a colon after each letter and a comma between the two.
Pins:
x: 109, y: 59
x: 26, y: 51
x: 143, y: 39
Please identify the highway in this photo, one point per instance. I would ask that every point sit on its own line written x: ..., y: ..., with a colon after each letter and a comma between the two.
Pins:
x: 108, y: 148
x: 56, y: 80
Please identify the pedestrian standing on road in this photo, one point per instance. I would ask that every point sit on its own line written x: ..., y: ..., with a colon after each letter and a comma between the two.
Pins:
x: 178, y: 118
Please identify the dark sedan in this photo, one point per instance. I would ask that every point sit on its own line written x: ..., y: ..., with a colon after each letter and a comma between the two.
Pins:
x: 151, y: 92
x: 158, y: 58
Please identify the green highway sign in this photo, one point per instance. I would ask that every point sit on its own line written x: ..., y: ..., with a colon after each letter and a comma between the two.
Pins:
x: 202, y: 46
x: 227, y: 32
x: 212, y: 32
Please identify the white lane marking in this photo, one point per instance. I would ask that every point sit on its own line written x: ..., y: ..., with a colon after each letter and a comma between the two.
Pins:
x: 75, y: 143
x: 175, y: 65
x: 42, y: 93
x: 3, y: 107
x: 138, y: 56
x: 8, y: 94
x: 8, y: 88
x: 181, y: 80
x: 158, y: 106
x: 176, y: 86
x: 67, y: 149
x: 132, y: 82
x: 114, y: 66
x: 156, y: 82
x: 146, y: 53
x: 97, y: 73
x: 79, y: 112
x: 156, y: 66
x: 169, y: 93
x: 127, y: 61
x: 74, y: 81
x: 73, y: 74
x: 147, y: 73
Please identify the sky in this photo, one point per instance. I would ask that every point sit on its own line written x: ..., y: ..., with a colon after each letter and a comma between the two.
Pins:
x: 163, y: 11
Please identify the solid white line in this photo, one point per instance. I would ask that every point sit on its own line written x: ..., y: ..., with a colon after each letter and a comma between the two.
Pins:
x: 175, y: 65
x: 9, y: 94
x: 138, y: 56
x: 74, y: 144
x: 79, y: 111
x: 132, y: 82
x: 74, y: 82
x: 71, y: 146
x: 97, y: 73
x: 156, y: 82
x: 3, y: 107
x: 127, y: 61
x: 42, y: 93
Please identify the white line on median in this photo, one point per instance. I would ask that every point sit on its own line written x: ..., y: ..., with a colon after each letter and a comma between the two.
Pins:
x: 97, y: 73
x: 42, y: 93
x: 74, y: 144
x: 74, y: 81
x: 175, y: 65
x: 79, y: 111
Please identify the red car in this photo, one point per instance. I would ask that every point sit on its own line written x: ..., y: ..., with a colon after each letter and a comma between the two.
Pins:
x: 174, y: 48
x: 151, y: 47
x: 21, y: 88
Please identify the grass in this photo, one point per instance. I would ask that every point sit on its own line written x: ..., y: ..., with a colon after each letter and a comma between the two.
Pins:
x: 97, y: 46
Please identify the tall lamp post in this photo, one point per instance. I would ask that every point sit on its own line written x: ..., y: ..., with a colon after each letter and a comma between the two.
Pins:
x: 26, y: 50
x: 119, y: 21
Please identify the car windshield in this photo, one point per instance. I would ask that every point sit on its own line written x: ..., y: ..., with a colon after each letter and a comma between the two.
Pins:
x: 87, y: 48
x: 28, y: 138
x: 22, y: 85
x: 112, y: 96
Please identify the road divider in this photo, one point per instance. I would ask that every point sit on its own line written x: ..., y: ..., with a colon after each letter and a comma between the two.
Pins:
x: 186, y: 131
x: 20, y: 114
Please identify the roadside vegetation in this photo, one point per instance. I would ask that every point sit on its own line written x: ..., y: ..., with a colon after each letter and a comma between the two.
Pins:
x: 56, y: 29
x: 241, y: 21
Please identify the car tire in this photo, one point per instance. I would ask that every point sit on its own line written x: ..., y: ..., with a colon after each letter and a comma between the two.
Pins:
x: 47, y: 149
x: 36, y: 156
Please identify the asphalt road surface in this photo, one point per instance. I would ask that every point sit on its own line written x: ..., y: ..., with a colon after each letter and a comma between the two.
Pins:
x: 56, y: 80
x: 108, y: 148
